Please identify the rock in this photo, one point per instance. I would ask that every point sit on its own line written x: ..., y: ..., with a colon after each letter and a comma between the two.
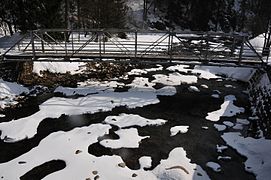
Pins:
x: 94, y: 172
x: 134, y: 175
x: 122, y: 165
x: 96, y: 177
x: 78, y: 151
x: 21, y: 162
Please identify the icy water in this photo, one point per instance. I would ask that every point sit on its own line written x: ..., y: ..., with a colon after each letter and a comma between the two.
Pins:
x: 184, y: 108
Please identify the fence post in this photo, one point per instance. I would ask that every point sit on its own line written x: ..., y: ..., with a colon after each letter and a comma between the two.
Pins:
x: 135, y: 44
x: 241, y: 50
x: 33, y: 45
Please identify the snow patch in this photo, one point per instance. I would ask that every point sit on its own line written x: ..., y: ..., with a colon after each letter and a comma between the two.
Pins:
x: 128, y: 120
x: 214, y: 166
x: 228, y: 109
x: 174, y: 79
x: 178, y: 166
x: 220, y: 127
x: 128, y: 138
x: 193, y: 89
x: 178, y: 129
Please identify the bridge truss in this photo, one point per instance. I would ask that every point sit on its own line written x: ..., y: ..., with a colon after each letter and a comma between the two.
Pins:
x: 99, y: 44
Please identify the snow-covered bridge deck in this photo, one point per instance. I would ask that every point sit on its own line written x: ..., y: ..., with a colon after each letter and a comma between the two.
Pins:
x: 97, y: 44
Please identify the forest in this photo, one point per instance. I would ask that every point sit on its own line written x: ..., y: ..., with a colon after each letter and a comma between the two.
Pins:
x: 200, y: 15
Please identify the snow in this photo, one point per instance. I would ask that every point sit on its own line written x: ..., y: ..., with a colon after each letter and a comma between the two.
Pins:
x: 178, y: 129
x: 145, y: 162
x: 128, y: 120
x: 223, y: 158
x: 90, y: 87
x: 220, y: 127
x: 214, y: 166
x: 257, y: 151
x: 228, y: 109
x: 179, y: 68
x: 58, y: 67
x: 238, y: 73
x: 229, y: 86
x: 221, y: 148
x: 228, y: 123
x: 63, y: 145
x: 178, y: 166
x: 174, y: 79
x: 9, y: 91
x: 159, y: 68
x: 137, y: 72
x: 211, y: 72
x: 242, y: 121
x: 81, y: 165
x: 204, y: 86
x: 215, y: 95
x: 128, y: 138
x: 166, y: 91
x: 193, y: 89
x: 2, y: 115
x: 27, y: 127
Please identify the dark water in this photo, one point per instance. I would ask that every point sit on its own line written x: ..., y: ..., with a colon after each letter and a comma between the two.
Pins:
x: 185, y: 108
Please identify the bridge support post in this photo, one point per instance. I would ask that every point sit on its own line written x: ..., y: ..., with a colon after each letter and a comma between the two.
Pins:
x: 100, y: 44
x: 170, y: 46
x: 42, y: 43
x: 241, y: 50
x: 135, y: 44
x: 33, y: 45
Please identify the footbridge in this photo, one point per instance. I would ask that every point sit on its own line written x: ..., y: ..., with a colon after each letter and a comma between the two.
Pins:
x: 122, y: 45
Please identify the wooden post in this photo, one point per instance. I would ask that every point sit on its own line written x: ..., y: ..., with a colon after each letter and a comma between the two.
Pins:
x: 241, y: 50
x: 135, y: 44
x: 72, y: 43
x: 33, y: 45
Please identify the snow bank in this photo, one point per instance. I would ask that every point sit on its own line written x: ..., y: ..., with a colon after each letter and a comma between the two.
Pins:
x: 58, y: 67
x: 128, y: 120
x: 228, y: 109
x: 9, y: 91
x: 257, y: 151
